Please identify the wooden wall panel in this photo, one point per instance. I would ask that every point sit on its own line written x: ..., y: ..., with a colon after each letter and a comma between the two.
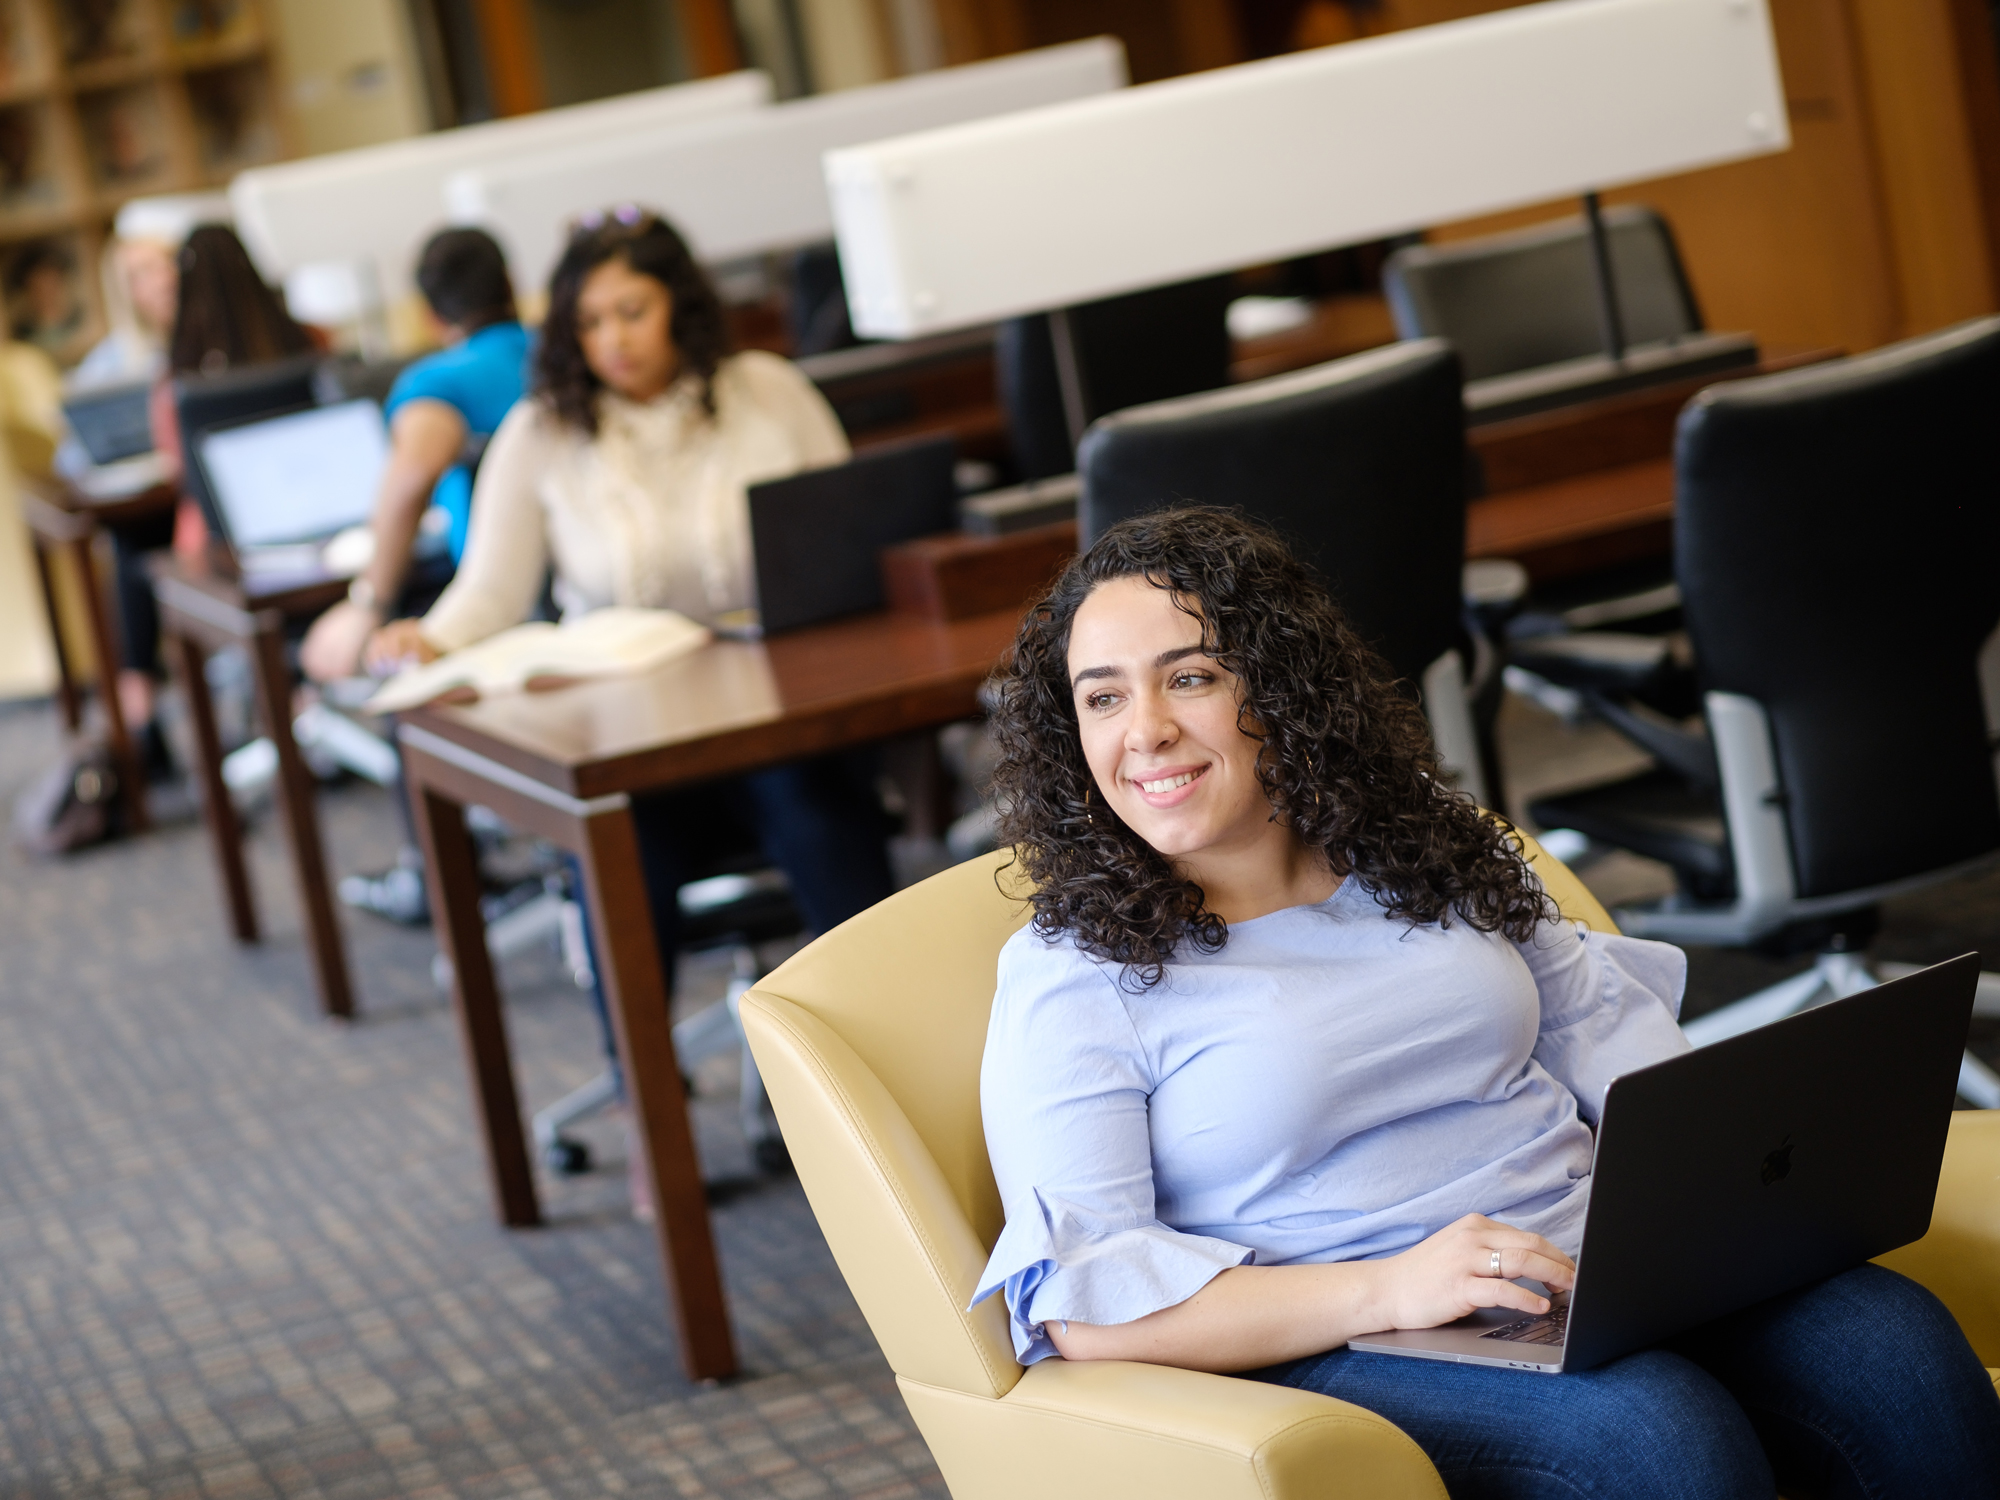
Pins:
x: 1923, y: 143
x: 972, y: 29
x: 710, y: 33
x: 1797, y: 248
x: 1977, y: 37
x: 507, y: 36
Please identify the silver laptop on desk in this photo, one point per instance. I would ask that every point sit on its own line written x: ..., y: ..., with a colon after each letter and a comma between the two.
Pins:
x: 284, y: 485
x: 1744, y: 1169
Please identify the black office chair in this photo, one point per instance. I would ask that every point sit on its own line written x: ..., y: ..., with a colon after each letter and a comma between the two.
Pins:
x: 1361, y: 464
x: 349, y: 377
x: 1515, y: 301
x: 1147, y: 346
x: 816, y: 309
x: 736, y: 904
x: 1837, y: 541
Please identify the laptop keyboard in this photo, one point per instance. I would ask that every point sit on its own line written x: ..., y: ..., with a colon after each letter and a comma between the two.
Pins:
x: 1548, y: 1328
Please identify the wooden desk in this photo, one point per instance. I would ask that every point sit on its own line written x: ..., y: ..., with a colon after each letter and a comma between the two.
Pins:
x: 202, y: 608
x: 566, y: 766
x: 62, y: 521
x: 1591, y: 485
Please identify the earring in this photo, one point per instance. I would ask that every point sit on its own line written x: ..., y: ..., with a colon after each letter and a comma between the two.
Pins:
x: 1089, y: 816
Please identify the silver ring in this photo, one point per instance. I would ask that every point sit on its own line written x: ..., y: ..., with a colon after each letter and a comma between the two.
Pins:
x: 1493, y: 1265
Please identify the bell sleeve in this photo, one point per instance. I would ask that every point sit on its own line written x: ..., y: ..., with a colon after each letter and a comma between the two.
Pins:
x: 1064, y: 1090
x: 1610, y: 1004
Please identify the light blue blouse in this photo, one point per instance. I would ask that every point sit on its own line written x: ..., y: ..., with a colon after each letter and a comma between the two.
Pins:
x: 1332, y: 1085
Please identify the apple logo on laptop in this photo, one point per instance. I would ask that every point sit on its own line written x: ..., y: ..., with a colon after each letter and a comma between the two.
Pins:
x: 1778, y: 1163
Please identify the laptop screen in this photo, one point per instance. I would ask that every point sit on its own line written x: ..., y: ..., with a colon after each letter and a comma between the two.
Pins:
x: 112, y: 422
x: 298, y: 477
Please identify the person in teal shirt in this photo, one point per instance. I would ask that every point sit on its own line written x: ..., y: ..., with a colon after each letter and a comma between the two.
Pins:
x: 440, y: 407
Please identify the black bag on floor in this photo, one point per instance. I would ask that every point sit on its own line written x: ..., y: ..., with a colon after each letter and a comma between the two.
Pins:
x: 72, y: 805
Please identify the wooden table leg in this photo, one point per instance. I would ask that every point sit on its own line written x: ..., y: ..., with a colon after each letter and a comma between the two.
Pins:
x: 635, y: 992
x: 225, y: 831
x: 453, y: 867
x: 66, y: 693
x: 131, y: 775
x: 298, y: 800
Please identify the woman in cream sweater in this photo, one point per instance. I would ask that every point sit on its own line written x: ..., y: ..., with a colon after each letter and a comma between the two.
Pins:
x: 625, y: 469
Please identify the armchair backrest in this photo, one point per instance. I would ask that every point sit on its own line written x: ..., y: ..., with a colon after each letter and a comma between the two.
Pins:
x: 869, y: 1042
x: 1359, y: 462
x: 1836, y: 539
x: 1526, y: 298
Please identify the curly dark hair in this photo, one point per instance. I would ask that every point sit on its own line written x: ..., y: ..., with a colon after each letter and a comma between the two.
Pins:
x: 1347, y: 759
x: 652, y: 247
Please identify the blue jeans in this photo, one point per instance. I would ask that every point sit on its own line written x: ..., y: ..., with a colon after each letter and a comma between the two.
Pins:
x: 1861, y: 1385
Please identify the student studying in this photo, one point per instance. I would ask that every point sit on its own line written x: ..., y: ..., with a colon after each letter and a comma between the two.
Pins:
x: 625, y: 470
x: 1296, y: 1048
x: 438, y: 404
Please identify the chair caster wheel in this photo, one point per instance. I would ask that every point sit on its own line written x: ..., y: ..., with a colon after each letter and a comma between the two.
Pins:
x: 567, y: 1158
x: 772, y: 1157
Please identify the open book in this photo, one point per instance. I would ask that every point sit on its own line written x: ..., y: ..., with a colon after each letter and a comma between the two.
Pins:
x: 607, y: 642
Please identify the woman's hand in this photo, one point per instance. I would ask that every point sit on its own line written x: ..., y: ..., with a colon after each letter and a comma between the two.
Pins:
x: 1451, y: 1273
x: 395, y: 646
x: 332, y: 648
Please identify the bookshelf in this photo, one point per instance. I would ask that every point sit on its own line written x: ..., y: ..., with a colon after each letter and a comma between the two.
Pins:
x: 106, y: 100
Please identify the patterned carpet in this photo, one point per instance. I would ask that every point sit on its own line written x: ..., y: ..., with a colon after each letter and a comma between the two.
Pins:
x: 244, y: 1253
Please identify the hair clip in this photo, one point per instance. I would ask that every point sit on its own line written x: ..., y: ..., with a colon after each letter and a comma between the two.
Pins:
x: 630, y: 215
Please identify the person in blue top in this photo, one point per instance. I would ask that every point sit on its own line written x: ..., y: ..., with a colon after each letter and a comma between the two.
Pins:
x: 437, y: 406
x: 1297, y: 1048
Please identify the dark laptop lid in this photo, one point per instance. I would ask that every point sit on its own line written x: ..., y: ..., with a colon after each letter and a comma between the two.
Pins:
x: 112, y: 421
x: 1768, y: 1161
x: 817, y: 536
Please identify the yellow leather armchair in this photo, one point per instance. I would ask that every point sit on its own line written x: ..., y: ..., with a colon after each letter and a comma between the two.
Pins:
x: 869, y: 1042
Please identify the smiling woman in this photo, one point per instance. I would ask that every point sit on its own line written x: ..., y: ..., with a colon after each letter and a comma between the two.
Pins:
x: 1296, y: 1050
x: 1314, y: 745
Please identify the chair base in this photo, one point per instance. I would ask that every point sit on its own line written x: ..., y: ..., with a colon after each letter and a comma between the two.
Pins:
x: 1835, y: 976
x: 710, y: 1032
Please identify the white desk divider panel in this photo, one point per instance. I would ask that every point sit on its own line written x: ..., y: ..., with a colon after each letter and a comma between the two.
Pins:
x: 1264, y: 160
x: 742, y: 186
x: 378, y: 204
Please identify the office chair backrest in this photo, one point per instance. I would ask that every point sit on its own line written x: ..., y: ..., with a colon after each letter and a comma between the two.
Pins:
x: 347, y: 377
x: 816, y: 310
x: 1360, y: 463
x: 1838, y: 547
x: 1148, y: 346
x: 1514, y: 301
x: 202, y: 402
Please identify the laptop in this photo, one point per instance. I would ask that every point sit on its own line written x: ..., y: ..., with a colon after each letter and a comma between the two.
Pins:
x: 111, y: 421
x: 817, y: 537
x: 1741, y: 1170
x: 282, y: 485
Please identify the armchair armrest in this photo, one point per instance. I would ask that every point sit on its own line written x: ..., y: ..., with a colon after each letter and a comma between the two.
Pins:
x: 1959, y: 1259
x: 1109, y: 1427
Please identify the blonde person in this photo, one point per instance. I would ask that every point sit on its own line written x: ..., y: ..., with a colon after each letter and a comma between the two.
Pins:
x: 624, y: 471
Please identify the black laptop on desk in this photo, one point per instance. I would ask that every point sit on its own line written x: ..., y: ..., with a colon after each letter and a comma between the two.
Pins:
x: 817, y: 537
x: 113, y: 422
